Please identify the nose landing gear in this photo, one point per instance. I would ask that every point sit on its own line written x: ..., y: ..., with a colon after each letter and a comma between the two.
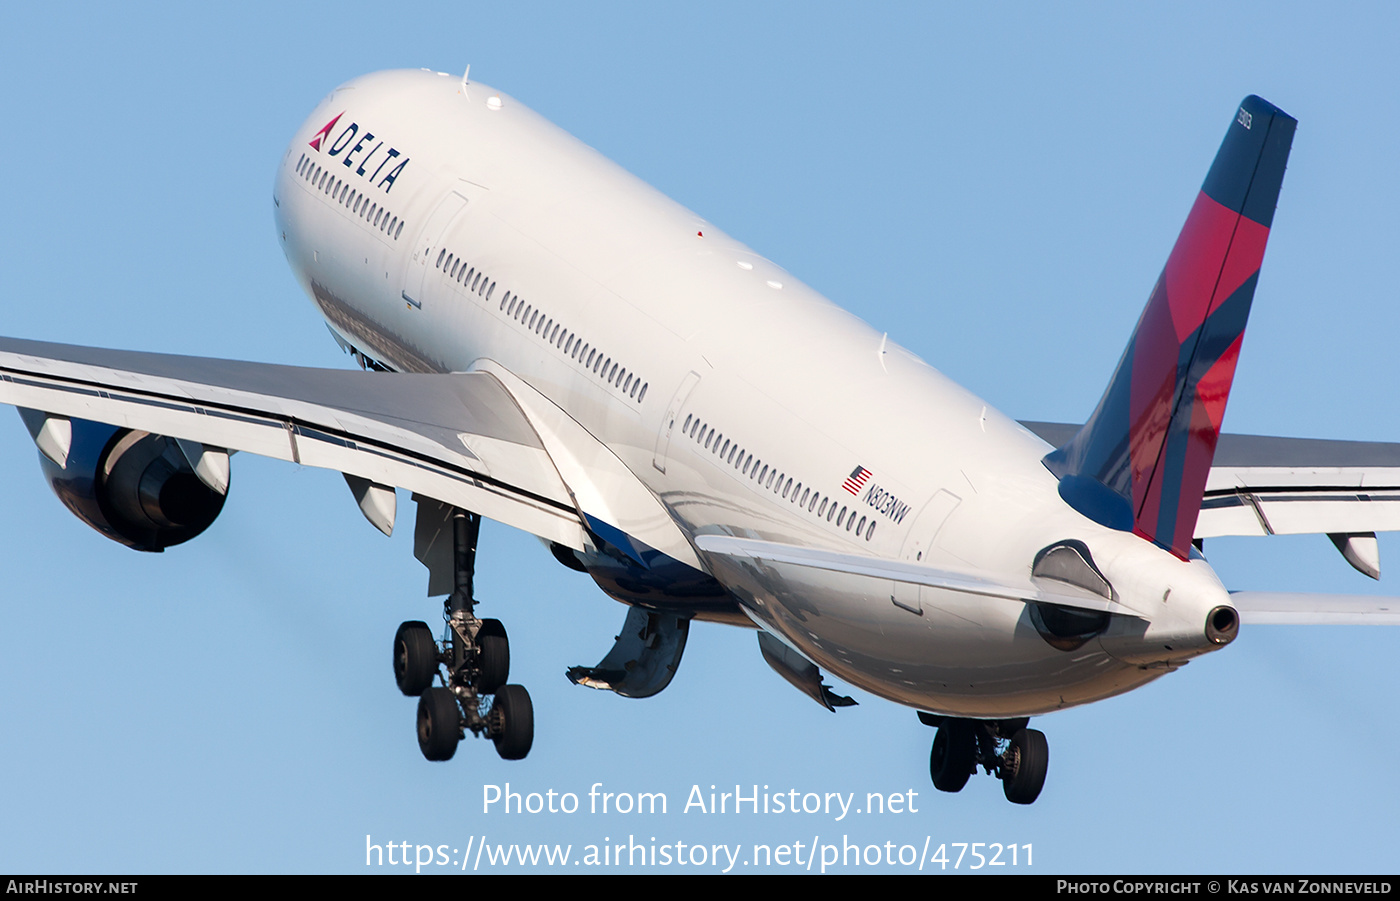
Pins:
x: 473, y: 663
x: 1018, y: 756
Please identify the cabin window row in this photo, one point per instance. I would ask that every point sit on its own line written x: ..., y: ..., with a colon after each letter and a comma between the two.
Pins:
x: 468, y: 277
x: 770, y: 478
x: 544, y: 327
x: 584, y: 354
x: 616, y: 375
x: 341, y: 192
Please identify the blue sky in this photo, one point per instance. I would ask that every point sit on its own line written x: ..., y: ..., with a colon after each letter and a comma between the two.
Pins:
x: 998, y: 190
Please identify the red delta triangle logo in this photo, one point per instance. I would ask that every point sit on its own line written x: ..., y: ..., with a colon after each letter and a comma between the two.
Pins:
x: 325, y: 131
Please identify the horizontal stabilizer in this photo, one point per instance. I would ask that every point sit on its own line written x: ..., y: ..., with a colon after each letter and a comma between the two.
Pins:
x: 1261, y: 485
x: 1284, y: 608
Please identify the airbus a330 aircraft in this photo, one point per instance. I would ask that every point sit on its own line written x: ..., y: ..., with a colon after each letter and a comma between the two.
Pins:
x: 552, y: 344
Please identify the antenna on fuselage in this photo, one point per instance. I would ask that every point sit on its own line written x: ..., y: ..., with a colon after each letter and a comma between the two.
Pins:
x: 466, y: 80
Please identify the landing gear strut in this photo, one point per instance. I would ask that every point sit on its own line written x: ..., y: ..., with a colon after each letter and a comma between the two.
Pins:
x: 1018, y: 756
x: 473, y: 664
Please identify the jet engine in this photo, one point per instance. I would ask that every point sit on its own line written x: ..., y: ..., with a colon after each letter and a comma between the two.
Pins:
x: 147, y: 491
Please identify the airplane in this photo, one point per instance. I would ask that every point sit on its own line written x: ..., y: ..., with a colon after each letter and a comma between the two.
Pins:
x: 548, y: 342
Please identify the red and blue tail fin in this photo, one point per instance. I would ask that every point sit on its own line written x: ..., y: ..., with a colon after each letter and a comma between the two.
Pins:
x: 1140, y: 462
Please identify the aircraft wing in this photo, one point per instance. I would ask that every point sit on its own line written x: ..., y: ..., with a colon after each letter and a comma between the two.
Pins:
x: 1287, y: 486
x: 460, y: 439
x: 910, y: 573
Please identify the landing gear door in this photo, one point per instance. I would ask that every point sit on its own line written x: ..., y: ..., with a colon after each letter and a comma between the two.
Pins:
x: 428, y: 247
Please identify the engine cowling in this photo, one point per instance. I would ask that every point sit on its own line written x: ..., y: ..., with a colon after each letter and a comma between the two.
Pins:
x: 135, y: 487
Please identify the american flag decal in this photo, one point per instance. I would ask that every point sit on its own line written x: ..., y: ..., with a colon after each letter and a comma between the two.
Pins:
x: 856, y: 480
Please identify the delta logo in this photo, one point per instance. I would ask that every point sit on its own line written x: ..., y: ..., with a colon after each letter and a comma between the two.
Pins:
x: 360, y: 155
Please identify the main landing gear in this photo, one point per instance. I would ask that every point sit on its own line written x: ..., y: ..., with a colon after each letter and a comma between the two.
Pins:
x: 1018, y: 756
x: 472, y: 663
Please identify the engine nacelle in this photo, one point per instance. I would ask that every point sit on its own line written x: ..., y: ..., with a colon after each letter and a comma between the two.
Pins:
x: 134, y: 487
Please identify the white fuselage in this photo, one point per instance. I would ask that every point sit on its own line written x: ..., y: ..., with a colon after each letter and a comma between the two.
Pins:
x: 501, y: 241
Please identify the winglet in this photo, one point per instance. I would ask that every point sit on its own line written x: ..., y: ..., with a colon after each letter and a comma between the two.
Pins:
x: 1140, y: 462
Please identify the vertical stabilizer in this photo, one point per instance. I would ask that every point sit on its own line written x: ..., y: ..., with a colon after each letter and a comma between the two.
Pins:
x: 1140, y: 462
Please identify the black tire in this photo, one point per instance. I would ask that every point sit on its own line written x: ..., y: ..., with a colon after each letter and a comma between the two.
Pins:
x: 415, y: 658
x: 517, y: 722
x: 493, y: 656
x: 1024, y: 766
x: 439, y: 724
x: 954, y: 751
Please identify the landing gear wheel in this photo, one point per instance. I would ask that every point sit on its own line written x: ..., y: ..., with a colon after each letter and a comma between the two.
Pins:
x: 514, y: 722
x: 954, y: 751
x: 493, y: 657
x: 439, y: 724
x: 415, y: 658
x: 1024, y: 765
